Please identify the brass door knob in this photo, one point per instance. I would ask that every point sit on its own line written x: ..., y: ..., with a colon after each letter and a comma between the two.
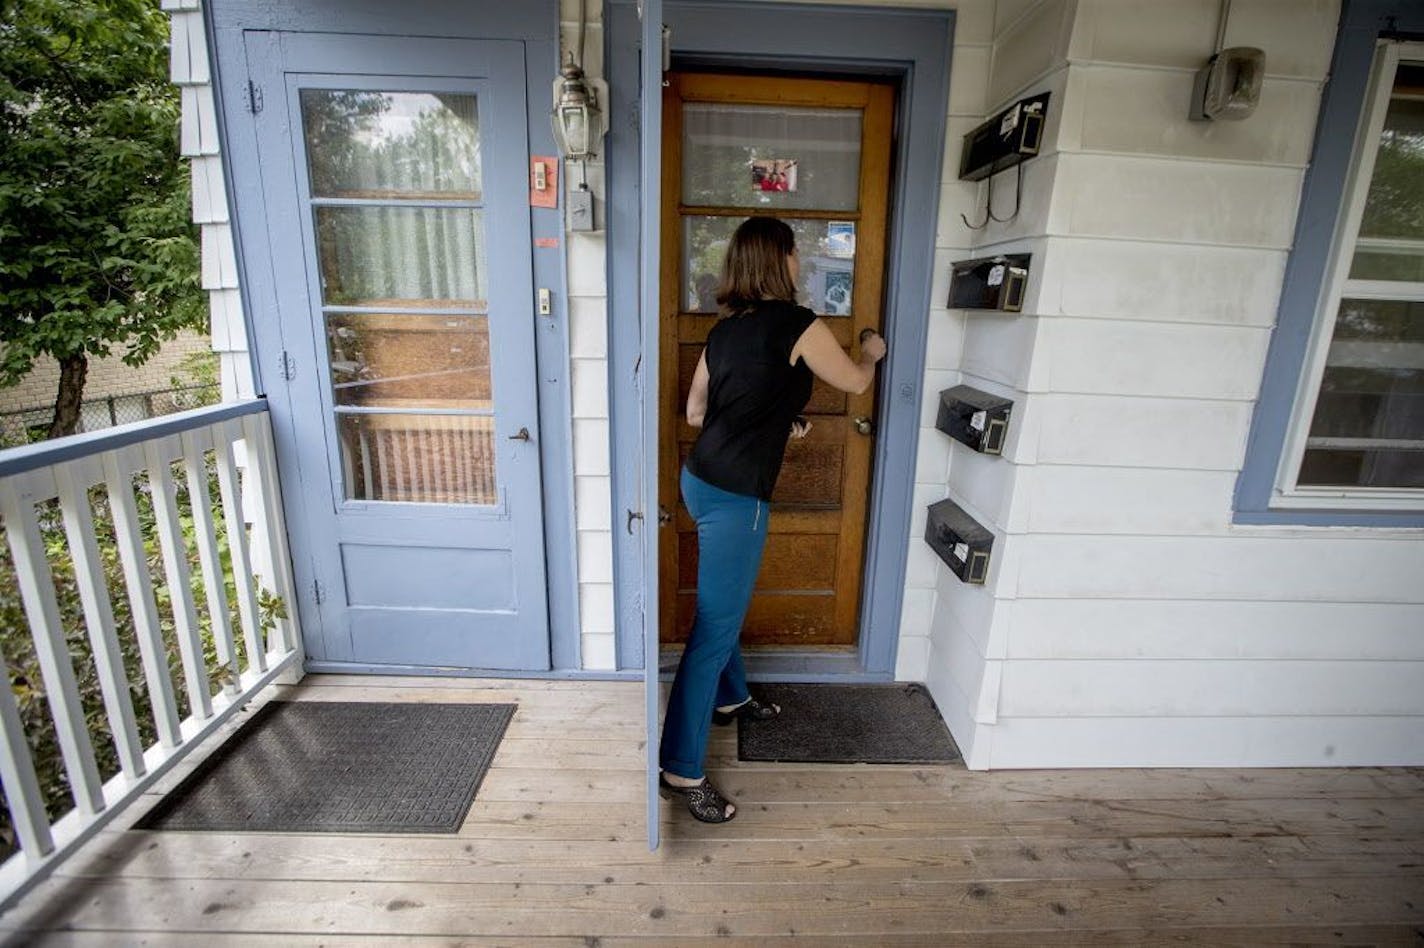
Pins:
x: 864, y: 425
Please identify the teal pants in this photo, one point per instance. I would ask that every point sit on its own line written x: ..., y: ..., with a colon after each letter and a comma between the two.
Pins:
x: 731, y: 534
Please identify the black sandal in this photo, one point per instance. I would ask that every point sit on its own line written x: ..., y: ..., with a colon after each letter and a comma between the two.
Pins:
x: 703, y: 800
x: 751, y: 710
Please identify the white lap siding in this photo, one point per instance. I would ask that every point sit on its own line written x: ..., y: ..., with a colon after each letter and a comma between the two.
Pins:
x: 1126, y: 620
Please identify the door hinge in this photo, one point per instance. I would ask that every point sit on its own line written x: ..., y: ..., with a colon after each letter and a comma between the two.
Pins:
x: 287, y: 366
x: 318, y: 592
x: 254, y: 97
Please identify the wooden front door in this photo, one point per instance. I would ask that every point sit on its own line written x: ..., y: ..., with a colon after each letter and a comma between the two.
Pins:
x: 815, y: 153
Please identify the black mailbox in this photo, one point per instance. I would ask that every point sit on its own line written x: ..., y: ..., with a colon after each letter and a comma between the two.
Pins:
x: 1005, y: 140
x: 989, y: 283
x: 960, y: 541
x: 975, y: 418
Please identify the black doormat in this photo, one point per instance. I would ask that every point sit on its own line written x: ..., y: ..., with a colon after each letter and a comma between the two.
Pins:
x: 846, y: 724
x: 341, y: 766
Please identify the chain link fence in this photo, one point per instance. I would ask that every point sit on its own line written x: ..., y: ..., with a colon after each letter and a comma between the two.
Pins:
x: 32, y: 424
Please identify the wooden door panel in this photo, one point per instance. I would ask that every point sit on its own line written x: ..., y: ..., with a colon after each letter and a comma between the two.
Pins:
x: 808, y: 591
x: 775, y: 619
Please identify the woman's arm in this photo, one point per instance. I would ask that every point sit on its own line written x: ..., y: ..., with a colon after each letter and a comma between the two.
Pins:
x: 828, y: 360
x: 697, y: 395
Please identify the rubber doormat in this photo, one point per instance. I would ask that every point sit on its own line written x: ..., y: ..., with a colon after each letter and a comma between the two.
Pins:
x: 341, y: 766
x: 847, y: 724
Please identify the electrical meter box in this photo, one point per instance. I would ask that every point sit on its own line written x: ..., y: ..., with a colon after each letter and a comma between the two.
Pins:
x: 975, y: 418
x: 960, y: 541
x: 989, y: 282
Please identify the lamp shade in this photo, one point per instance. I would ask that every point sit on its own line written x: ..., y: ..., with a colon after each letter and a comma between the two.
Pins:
x: 576, y: 119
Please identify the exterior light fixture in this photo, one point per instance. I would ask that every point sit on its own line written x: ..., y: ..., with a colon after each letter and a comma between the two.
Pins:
x: 577, y: 120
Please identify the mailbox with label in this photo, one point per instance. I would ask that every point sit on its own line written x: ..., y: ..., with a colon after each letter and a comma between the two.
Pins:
x: 975, y: 418
x: 989, y: 283
x: 960, y: 541
x: 1006, y: 139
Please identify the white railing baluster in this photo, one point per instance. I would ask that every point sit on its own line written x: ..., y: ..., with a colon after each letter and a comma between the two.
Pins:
x: 36, y: 581
x: 195, y: 445
x: 257, y: 433
x: 22, y: 785
x: 66, y: 469
x: 118, y: 476
x: 72, y: 480
x: 229, y: 489
x: 159, y: 455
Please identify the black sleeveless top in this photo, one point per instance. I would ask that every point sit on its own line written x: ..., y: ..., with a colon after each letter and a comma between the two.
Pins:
x: 752, y: 398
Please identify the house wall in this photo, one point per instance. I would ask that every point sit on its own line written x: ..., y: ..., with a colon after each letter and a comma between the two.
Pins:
x: 190, y: 69
x: 588, y: 356
x: 1126, y: 620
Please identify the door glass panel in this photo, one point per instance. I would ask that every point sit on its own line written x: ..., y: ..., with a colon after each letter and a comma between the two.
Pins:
x: 430, y: 257
x: 391, y: 144
x: 826, y: 249
x: 395, y: 177
x: 770, y: 156
x: 442, y: 459
x: 409, y: 361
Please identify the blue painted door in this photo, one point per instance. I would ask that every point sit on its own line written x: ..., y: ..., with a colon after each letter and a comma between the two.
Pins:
x: 394, y: 177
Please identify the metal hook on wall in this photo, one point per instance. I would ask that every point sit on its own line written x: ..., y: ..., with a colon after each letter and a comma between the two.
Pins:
x: 989, y: 214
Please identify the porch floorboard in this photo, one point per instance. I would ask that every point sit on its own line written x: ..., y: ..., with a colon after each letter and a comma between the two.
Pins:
x: 553, y: 852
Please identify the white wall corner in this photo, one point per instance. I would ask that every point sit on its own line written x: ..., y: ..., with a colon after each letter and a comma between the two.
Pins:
x: 598, y: 652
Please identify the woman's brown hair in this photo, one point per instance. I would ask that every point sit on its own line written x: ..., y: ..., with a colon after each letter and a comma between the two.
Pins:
x: 755, y: 266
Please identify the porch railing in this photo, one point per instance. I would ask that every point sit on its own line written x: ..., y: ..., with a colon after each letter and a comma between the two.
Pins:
x: 169, y: 544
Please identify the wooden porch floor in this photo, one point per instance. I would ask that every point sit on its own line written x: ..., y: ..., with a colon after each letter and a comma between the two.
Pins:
x: 553, y: 853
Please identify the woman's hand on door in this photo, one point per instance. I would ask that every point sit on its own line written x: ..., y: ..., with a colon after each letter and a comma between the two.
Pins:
x: 829, y: 362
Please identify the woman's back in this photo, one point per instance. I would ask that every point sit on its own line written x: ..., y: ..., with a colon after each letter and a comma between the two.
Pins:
x: 754, y: 394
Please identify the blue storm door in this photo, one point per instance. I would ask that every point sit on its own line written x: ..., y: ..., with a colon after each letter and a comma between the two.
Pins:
x: 394, y: 173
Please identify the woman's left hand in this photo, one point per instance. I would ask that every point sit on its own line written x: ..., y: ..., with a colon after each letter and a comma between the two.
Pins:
x: 801, y: 427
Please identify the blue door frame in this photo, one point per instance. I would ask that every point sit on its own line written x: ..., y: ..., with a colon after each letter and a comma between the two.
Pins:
x: 911, y: 46
x: 535, y: 25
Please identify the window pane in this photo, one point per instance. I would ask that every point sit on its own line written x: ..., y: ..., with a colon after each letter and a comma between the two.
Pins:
x: 443, y: 459
x: 770, y: 156
x: 391, y: 144
x: 401, y: 256
x: 1368, y: 428
x: 826, y: 249
x: 1391, y: 242
x: 1363, y: 468
x: 405, y: 361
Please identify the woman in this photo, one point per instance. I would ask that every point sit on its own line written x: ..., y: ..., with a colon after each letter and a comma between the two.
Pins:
x: 752, y: 382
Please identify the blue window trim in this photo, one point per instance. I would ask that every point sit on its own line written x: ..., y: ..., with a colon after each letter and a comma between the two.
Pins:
x: 1362, y: 24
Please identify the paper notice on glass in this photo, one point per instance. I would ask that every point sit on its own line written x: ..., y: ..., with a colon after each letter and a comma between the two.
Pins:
x: 996, y: 275
x: 961, y: 551
x: 978, y: 420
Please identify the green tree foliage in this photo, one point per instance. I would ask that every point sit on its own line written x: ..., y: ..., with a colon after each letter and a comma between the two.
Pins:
x: 97, y: 250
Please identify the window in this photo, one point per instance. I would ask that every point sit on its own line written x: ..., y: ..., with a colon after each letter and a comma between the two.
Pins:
x: 1337, y: 434
x: 1358, y: 430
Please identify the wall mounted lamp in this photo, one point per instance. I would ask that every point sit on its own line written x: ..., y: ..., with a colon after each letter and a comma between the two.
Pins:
x: 579, y: 124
